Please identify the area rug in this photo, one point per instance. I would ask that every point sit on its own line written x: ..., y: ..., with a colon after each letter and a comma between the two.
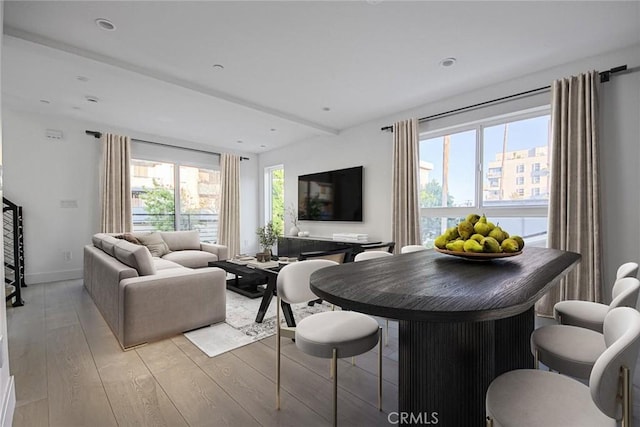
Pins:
x: 240, y: 328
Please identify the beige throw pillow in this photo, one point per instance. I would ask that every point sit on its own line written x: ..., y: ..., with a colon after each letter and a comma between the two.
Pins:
x: 153, y: 241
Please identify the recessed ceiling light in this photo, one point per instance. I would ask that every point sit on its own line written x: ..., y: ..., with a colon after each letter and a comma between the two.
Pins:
x: 326, y: 109
x: 239, y: 141
x: 82, y: 78
x: 105, y: 24
x: 218, y: 67
x: 91, y: 98
x: 448, y: 62
x: 263, y: 146
x: 45, y: 101
x: 273, y: 129
x: 76, y: 108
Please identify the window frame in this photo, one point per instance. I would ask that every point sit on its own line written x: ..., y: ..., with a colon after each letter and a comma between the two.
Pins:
x: 268, y: 190
x: 525, y: 211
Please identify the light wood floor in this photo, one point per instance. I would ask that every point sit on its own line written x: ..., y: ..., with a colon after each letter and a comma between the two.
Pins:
x: 70, y: 371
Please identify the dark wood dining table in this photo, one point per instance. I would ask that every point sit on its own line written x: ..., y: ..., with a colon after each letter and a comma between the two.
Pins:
x: 461, y: 322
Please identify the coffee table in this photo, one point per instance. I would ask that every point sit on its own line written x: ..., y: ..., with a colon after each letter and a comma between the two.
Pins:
x: 247, y: 280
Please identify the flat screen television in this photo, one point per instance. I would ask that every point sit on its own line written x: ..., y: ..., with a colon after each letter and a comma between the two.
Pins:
x: 331, y: 196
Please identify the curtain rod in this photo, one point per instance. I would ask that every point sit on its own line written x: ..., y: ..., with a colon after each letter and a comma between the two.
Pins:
x: 604, y: 77
x: 98, y: 135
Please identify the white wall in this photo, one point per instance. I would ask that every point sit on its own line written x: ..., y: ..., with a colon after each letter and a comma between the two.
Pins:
x: 7, y: 387
x: 367, y: 145
x: 40, y: 172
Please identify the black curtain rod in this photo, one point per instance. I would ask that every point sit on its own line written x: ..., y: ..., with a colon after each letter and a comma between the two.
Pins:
x: 604, y: 77
x: 98, y: 135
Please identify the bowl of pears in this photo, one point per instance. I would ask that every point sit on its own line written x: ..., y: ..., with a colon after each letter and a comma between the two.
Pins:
x: 480, y: 239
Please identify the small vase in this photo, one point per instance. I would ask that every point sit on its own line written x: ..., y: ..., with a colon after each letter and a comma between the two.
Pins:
x: 293, y: 231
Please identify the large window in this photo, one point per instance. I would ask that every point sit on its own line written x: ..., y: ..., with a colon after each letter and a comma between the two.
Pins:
x: 274, y: 196
x: 489, y: 167
x: 157, y: 206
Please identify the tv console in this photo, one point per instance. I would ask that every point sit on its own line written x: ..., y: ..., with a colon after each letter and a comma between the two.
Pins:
x: 292, y: 246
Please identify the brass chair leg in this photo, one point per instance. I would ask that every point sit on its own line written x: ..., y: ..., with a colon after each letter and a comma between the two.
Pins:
x: 625, y: 373
x: 334, y: 366
x: 489, y: 422
x: 380, y: 369
x: 386, y: 336
x: 536, y: 360
x: 278, y: 354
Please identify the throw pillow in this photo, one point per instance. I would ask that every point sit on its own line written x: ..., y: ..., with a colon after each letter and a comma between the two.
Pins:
x: 153, y: 241
x: 129, y: 238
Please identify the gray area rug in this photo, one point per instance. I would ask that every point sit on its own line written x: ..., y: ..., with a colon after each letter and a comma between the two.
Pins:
x: 240, y: 329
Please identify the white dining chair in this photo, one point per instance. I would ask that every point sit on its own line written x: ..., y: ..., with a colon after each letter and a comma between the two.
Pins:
x: 363, y: 256
x: 534, y: 398
x: 331, y: 334
x: 590, y: 315
x: 412, y: 248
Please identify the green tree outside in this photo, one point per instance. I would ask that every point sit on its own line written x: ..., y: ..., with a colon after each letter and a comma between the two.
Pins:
x: 159, y: 203
x: 277, y: 199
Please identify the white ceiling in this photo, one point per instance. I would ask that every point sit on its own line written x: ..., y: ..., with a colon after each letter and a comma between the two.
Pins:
x: 283, y: 61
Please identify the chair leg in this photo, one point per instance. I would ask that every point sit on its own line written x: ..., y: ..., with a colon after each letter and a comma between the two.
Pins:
x: 380, y: 369
x: 536, y: 360
x: 278, y: 354
x: 334, y: 366
x: 626, y: 396
x: 489, y: 422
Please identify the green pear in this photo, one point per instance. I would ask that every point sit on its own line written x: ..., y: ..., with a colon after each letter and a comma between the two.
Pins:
x: 482, y: 228
x: 520, y: 241
x: 491, y: 225
x: 451, y: 233
x: 456, y: 246
x: 483, y: 219
x: 465, y: 229
x: 491, y: 245
x: 441, y: 241
x: 509, y: 245
x: 472, y: 246
x: 497, y: 234
x: 472, y: 218
x: 477, y: 237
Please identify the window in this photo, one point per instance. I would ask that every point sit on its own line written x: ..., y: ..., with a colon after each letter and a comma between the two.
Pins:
x: 483, y: 168
x: 274, y: 196
x: 156, y: 207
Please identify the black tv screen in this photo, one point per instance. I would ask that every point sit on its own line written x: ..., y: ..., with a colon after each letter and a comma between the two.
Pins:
x: 331, y: 196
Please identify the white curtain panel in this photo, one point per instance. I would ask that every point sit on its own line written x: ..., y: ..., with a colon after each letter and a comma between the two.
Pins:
x: 574, y: 203
x: 115, y: 183
x: 229, y: 227
x: 406, y: 209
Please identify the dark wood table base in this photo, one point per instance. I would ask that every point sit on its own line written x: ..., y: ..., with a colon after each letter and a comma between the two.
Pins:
x: 446, y: 367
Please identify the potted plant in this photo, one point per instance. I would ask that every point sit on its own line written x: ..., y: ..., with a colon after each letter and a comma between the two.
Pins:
x: 267, y: 237
x: 293, y: 215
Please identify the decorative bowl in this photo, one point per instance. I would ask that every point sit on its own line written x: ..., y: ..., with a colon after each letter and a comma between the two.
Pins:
x: 479, y: 255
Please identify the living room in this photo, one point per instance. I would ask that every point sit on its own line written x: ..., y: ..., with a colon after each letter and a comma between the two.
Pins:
x: 40, y: 172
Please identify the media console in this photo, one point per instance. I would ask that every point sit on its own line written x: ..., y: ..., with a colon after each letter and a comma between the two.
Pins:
x: 292, y: 246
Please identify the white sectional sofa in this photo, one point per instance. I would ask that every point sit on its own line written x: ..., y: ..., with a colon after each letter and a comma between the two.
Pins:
x: 144, y: 297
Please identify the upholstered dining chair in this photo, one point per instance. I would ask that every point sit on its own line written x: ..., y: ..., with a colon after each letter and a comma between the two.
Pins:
x: 529, y: 397
x: 590, y: 315
x: 412, y: 248
x: 573, y: 350
x: 363, y: 256
x: 384, y: 246
x: 340, y: 256
x: 331, y: 334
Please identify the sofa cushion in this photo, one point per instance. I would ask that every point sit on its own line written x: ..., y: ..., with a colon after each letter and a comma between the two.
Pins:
x: 191, y: 259
x: 128, y: 237
x: 182, y: 240
x: 135, y: 256
x: 164, y: 264
x: 155, y: 243
x: 108, y: 244
x: 97, y: 239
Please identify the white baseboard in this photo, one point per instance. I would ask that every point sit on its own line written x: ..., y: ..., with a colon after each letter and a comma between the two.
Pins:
x: 53, y: 276
x: 9, y: 399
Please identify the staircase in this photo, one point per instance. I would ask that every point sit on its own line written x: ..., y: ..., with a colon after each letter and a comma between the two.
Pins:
x: 13, y: 233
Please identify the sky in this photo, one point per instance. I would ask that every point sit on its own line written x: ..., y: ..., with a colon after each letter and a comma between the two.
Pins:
x: 522, y: 134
